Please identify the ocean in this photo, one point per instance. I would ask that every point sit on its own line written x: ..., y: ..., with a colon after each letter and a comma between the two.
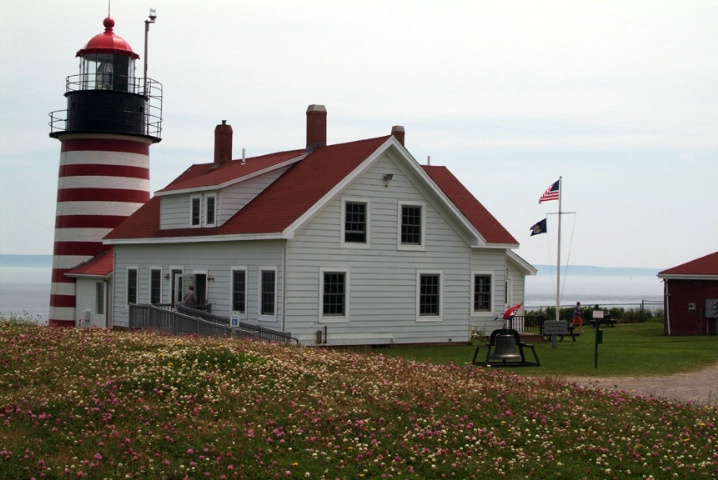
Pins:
x: 26, y: 291
x: 605, y: 290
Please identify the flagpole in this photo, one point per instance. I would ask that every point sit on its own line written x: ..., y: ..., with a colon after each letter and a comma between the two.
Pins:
x: 558, y: 256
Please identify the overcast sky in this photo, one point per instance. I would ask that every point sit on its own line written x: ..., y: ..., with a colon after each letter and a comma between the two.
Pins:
x: 620, y: 98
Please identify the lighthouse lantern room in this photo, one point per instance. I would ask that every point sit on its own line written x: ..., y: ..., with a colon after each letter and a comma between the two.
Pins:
x: 112, y: 118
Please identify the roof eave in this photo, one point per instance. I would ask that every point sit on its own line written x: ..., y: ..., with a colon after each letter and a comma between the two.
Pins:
x: 687, y: 276
x: 201, y: 238
x: 521, y: 263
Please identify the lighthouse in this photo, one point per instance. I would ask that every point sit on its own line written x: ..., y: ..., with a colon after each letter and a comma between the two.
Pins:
x: 112, y: 118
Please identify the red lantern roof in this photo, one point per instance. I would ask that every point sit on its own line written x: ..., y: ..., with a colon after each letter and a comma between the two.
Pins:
x: 108, y: 42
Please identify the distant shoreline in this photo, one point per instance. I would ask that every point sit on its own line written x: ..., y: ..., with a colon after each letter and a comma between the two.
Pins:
x: 38, y: 261
x: 25, y: 260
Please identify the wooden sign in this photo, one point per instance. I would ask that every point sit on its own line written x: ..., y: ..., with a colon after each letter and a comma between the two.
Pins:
x: 555, y: 327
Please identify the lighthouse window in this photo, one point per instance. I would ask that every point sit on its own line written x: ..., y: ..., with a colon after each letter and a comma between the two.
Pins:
x: 104, y: 74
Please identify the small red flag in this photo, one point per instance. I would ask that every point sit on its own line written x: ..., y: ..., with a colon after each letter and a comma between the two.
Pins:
x: 511, y: 311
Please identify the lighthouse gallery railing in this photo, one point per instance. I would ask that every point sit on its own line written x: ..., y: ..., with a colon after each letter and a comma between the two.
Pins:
x: 152, y: 91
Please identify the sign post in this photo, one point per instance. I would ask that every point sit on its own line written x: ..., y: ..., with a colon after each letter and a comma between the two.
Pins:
x: 597, y: 317
x: 555, y: 328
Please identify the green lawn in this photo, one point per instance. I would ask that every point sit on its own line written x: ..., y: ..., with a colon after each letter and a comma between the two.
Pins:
x: 90, y: 403
x: 627, y: 349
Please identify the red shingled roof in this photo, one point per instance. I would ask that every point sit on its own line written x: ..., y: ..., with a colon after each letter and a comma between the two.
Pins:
x: 101, y: 265
x: 707, y: 265
x: 275, y: 208
x: 470, y: 207
x: 207, y: 174
x: 294, y: 193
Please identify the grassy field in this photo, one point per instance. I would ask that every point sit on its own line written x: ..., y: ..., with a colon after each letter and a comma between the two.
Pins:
x: 110, y: 404
x: 627, y: 349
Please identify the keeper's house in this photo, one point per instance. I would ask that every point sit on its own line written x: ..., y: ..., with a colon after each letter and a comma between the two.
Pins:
x: 691, y: 297
x: 353, y: 243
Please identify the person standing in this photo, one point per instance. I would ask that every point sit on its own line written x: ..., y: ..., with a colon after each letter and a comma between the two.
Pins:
x: 189, y: 297
x: 577, y: 321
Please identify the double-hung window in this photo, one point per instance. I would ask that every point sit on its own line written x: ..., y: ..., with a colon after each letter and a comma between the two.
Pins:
x: 210, y: 210
x: 155, y: 285
x: 239, y: 290
x: 100, y: 298
x: 131, y: 285
x: 334, y: 298
x: 411, y: 226
x: 203, y: 210
x: 482, y: 286
x: 196, y: 211
x: 268, y: 293
x: 429, y: 296
x: 355, y: 222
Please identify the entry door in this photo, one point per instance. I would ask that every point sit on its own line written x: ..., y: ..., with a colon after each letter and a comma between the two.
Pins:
x: 200, y: 287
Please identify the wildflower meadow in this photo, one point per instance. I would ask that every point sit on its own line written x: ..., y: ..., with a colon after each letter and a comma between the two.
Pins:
x: 118, y: 404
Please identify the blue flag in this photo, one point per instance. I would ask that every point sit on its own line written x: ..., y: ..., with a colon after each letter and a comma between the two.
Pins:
x: 539, y: 227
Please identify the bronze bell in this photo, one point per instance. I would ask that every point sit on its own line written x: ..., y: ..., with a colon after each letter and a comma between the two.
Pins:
x: 505, y: 349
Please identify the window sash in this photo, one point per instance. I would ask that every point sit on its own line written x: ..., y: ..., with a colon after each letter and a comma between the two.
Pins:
x: 268, y: 292
x: 482, y: 293
x: 334, y: 295
x: 411, y: 224
x: 131, y: 285
x: 239, y: 291
x: 430, y: 294
x: 211, y: 210
x: 195, y: 211
x: 155, y: 286
x: 355, y: 222
x: 100, y: 298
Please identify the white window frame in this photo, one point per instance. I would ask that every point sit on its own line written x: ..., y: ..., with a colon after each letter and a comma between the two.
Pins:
x: 205, y: 210
x: 264, y: 317
x: 334, y: 318
x: 492, y: 300
x: 100, y: 303
x: 176, y: 271
x: 509, y: 293
x: 430, y: 318
x: 367, y: 202
x: 127, y: 285
x: 149, y: 283
x: 231, y: 290
x: 406, y: 246
x: 192, y: 199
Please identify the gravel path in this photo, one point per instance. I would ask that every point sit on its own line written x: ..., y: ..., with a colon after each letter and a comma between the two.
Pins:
x: 699, y: 387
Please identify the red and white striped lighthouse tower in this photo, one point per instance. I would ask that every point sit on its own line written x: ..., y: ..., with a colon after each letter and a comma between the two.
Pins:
x: 112, y: 118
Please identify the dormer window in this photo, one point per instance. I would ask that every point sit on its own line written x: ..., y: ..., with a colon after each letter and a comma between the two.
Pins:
x: 203, y: 210
x: 210, y: 212
x: 196, y: 211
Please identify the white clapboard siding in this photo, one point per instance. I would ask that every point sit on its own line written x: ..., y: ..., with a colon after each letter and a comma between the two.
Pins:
x: 382, y: 279
x: 215, y: 260
x: 174, y: 211
x: 235, y: 197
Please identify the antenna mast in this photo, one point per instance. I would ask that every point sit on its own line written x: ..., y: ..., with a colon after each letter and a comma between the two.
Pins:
x: 151, y: 19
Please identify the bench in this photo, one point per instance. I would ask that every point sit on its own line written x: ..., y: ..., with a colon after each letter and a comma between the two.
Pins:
x: 571, y: 333
x: 596, y: 322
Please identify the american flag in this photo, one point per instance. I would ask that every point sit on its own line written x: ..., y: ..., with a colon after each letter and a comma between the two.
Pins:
x: 551, y: 193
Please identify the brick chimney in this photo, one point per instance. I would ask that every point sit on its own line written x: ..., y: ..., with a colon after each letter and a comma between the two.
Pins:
x: 316, y: 126
x: 222, y: 144
x: 398, y: 132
